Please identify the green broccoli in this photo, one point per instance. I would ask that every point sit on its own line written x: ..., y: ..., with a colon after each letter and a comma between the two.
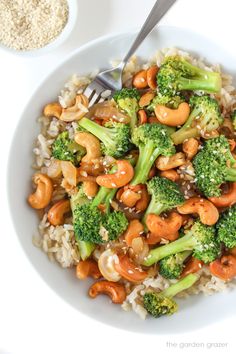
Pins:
x: 79, y: 199
x: 172, y: 266
x: 226, y: 227
x: 66, y: 149
x: 204, y: 117
x: 92, y: 224
x: 165, y: 100
x: 160, y: 304
x: 115, y: 136
x: 233, y: 117
x: 127, y: 101
x: 200, y: 239
x: 152, y: 140
x: 165, y: 195
x: 214, y: 165
x: 177, y: 74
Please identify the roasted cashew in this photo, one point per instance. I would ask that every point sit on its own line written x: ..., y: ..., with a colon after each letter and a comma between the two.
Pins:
x: 140, y: 79
x: 152, y: 77
x: 162, y: 227
x: 172, y: 117
x: 153, y: 239
x: 232, y: 144
x: 142, y: 117
x: 142, y: 204
x: 77, y: 111
x: 88, y: 268
x: 135, y: 229
x: 56, y: 214
x: 130, y: 198
x: 193, y: 265
x: 115, y: 291
x: 224, y: 268
x: 227, y: 199
x: 90, y: 188
x: 120, y: 178
x: 69, y: 172
x: 128, y: 270
x: 106, y: 265
x: 146, y: 99
x: 206, y: 210
x: 91, y: 144
x: 43, y: 194
x: 170, y: 174
x: 190, y: 147
x: 53, y: 109
x: 164, y: 163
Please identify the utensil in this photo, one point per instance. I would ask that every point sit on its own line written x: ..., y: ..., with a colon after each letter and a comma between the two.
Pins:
x: 111, y: 79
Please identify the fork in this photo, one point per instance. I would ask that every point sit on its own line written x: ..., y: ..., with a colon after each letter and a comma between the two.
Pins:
x: 111, y: 80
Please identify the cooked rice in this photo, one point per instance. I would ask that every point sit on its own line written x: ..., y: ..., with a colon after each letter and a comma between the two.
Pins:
x: 59, y: 242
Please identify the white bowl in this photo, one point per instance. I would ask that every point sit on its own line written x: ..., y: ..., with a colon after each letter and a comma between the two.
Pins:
x: 196, y: 311
x: 59, y: 40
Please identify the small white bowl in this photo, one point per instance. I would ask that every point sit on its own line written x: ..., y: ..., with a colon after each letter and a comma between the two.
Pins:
x: 196, y: 311
x: 60, y: 39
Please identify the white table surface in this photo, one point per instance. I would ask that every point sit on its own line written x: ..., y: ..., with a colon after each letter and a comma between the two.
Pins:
x: 32, y: 318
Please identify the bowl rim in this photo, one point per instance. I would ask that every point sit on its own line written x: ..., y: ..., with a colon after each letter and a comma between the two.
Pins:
x: 8, y: 169
x: 56, y: 42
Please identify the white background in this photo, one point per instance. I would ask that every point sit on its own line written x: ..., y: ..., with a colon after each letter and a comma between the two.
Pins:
x: 32, y: 318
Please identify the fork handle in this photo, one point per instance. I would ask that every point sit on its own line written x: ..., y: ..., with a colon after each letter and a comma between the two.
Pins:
x: 157, y: 12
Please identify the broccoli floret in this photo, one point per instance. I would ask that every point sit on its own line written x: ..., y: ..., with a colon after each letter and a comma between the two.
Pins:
x: 177, y: 74
x: 152, y: 140
x: 115, y: 137
x: 79, y: 199
x: 200, y: 239
x: 165, y: 195
x: 205, y: 116
x: 127, y: 101
x: 172, y: 266
x: 160, y: 304
x: 66, y: 149
x: 233, y: 117
x: 99, y: 226
x: 213, y: 166
x: 226, y: 228
x: 165, y: 100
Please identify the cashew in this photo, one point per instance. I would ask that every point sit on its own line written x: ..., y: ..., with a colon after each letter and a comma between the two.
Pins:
x: 146, y: 99
x: 164, y: 163
x: 224, y: 268
x: 90, y: 189
x: 162, y: 227
x: 56, y: 214
x: 232, y: 144
x: 227, y: 199
x: 91, y: 144
x: 190, y: 147
x: 69, y: 172
x: 106, y: 264
x: 124, y: 174
x: 170, y: 174
x: 140, y: 79
x: 193, y: 265
x: 115, y: 291
x: 130, y: 198
x: 43, y: 194
x: 77, y: 111
x: 142, y: 204
x: 129, y: 270
x: 88, y: 268
x: 152, y: 77
x: 153, y: 239
x: 53, y: 109
x: 142, y: 117
x: 134, y: 230
x: 172, y: 117
x: 206, y: 210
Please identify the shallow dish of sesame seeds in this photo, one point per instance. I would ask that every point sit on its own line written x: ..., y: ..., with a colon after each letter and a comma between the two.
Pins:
x: 134, y: 196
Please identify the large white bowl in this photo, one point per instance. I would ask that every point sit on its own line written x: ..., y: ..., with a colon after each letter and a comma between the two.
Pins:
x: 196, y: 311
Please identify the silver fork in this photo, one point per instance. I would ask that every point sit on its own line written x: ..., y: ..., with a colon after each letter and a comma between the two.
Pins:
x: 111, y: 79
